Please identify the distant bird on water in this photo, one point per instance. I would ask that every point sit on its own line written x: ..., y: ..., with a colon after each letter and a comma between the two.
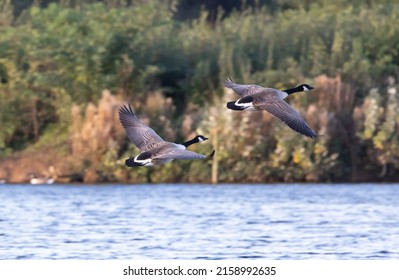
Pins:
x: 154, y: 150
x: 34, y: 180
x: 255, y: 97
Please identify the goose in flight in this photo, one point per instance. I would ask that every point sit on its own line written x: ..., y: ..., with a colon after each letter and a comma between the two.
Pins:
x: 255, y: 97
x: 153, y: 149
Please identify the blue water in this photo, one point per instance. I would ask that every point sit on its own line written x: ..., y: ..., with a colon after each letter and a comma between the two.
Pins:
x: 199, y: 222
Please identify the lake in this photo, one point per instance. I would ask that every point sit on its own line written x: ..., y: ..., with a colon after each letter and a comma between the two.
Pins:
x: 178, y: 221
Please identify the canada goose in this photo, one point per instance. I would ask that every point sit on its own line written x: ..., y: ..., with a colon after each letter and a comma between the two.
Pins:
x: 34, y: 180
x: 255, y: 97
x: 154, y: 150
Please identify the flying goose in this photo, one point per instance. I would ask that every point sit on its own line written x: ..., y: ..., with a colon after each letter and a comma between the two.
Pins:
x: 153, y: 149
x: 255, y: 97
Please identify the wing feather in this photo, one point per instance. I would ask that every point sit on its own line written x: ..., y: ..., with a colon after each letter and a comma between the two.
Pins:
x: 144, y: 137
x: 173, y: 153
x: 288, y: 115
x: 242, y: 90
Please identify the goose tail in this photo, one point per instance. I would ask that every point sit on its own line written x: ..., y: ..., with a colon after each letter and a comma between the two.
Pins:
x: 132, y: 163
x: 210, y: 156
x: 232, y: 106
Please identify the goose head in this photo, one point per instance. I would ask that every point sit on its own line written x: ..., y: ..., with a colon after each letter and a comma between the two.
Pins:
x: 200, y: 138
x: 196, y: 139
x: 303, y: 87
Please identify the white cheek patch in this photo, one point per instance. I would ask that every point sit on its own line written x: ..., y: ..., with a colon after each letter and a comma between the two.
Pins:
x: 200, y: 139
x: 305, y: 88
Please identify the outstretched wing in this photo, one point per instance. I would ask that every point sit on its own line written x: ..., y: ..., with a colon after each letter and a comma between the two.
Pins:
x: 173, y: 153
x: 287, y: 114
x: 242, y: 90
x: 144, y: 137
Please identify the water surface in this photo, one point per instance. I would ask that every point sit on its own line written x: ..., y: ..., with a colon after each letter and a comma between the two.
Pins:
x: 199, y: 222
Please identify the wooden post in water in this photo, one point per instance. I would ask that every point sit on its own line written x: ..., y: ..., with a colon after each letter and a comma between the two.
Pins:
x: 215, y: 163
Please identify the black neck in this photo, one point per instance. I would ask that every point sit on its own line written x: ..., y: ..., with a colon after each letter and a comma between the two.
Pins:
x: 190, y: 142
x: 291, y: 90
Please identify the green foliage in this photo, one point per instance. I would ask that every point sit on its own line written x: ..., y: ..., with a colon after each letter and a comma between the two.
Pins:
x: 380, y: 128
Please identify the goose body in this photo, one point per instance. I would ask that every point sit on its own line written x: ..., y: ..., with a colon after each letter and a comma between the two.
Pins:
x: 255, y: 97
x: 153, y: 149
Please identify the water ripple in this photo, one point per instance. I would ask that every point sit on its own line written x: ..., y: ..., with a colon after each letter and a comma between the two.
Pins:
x: 199, y: 222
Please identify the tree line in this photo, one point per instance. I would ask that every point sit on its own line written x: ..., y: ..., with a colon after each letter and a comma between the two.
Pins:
x: 56, y: 60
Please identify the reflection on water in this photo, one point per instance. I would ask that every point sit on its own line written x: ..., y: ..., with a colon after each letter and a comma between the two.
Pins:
x: 199, y: 222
